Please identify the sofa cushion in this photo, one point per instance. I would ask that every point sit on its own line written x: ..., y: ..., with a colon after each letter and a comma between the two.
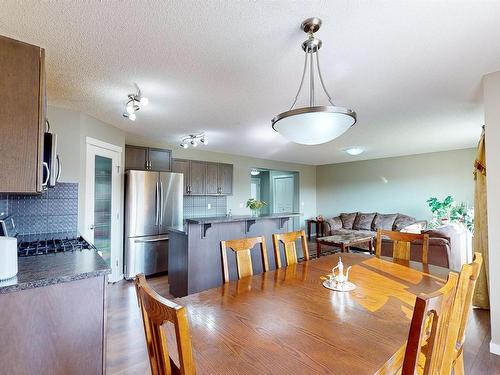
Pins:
x: 363, y: 221
x: 402, y: 221
x: 335, y: 223
x: 384, y: 221
x: 348, y: 219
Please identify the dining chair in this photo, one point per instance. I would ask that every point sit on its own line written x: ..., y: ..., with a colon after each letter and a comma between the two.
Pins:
x: 289, y: 246
x: 462, y: 305
x: 429, y: 329
x: 241, y: 248
x: 156, y: 313
x: 402, y: 244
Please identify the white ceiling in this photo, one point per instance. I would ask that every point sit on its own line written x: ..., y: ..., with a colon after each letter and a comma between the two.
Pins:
x: 410, y: 69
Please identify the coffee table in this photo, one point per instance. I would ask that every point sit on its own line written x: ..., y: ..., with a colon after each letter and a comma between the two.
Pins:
x: 344, y: 241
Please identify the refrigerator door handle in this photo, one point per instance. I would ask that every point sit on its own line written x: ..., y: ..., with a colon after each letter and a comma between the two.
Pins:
x: 156, y: 204
x: 158, y: 239
x: 161, y: 202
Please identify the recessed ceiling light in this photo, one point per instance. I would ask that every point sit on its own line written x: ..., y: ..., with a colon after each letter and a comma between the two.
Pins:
x: 354, y: 150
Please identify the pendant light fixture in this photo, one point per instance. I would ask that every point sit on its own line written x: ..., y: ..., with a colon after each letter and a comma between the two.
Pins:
x: 314, y: 124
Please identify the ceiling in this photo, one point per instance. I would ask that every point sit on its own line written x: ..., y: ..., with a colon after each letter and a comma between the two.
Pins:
x: 411, y: 70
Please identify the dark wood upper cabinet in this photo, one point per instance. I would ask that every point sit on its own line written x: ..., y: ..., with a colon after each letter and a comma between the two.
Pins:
x: 197, y: 172
x: 159, y: 159
x: 136, y: 157
x: 22, y: 116
x: 149, y: 159
x: 225, y: 179
x: 212, y: 184
x: 182, y: 166
x: 205, y: 178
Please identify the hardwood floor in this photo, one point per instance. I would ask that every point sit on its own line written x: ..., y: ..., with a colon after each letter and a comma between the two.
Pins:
x: 126, y: 348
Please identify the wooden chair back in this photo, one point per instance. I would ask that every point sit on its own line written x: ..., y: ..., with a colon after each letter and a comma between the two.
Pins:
x: 157, y: 311
x: 402, y: 244
x: 289, y: 245
x: 460, y: 314
x: 429, y: 323
x: 241, y: 248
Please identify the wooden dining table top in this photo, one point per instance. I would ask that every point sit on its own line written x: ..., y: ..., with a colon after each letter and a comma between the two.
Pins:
x: 286, y: 322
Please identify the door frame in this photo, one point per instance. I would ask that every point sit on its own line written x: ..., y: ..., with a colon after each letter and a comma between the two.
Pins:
x: 115, y: 153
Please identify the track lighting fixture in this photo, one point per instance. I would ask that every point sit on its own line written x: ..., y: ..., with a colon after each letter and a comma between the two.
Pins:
x: 193, y: 140
x: 134, y: 103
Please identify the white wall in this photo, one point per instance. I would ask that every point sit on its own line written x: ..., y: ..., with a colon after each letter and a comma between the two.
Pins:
x: 399, y: 184
x: 242, y: 167
x: 492, y: 120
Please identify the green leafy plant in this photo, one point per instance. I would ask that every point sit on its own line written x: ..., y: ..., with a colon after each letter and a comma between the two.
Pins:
x: 255, y: 204
x: 448, y: 211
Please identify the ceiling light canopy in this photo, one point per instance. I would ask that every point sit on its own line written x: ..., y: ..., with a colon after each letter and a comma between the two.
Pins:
x: 314, y: 124
x: 193, y: 140
x: 134, y: 103
x: 354, y: 150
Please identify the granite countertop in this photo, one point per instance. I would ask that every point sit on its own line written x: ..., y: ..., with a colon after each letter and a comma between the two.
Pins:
x: 228, y: 219
x: 43, y: 270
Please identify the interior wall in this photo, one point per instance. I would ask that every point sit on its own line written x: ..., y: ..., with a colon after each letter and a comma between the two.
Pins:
x: 242, y: 166
x: 398, y: 184
x: 72, y: 129
x: 492, y: 119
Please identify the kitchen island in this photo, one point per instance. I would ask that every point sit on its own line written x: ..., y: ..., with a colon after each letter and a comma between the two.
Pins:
x: 53, y: 315
x: 194, y: 257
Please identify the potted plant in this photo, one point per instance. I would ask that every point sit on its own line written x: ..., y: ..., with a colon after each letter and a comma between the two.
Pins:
x: 448, y: 211
x: 255, y: 205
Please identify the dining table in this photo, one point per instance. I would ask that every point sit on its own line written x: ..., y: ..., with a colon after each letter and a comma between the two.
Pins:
x: 286, y: 322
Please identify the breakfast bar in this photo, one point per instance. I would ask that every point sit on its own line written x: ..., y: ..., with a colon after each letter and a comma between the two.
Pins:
x: 194, y: 257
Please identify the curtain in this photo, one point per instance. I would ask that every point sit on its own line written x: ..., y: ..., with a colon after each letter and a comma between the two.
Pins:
x: 480, y: 240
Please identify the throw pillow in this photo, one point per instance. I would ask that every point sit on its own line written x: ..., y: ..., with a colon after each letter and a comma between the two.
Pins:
x: 363, y: 221
x: 384, y: 221
x: 402, y: 221
x: 348, y: 219
x: 335, y: 223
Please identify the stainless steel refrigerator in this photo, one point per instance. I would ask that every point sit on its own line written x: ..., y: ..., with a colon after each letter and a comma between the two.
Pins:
x: 153, y: 202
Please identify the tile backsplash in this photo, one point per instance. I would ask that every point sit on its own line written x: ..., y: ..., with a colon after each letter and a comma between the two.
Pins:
x: 55, y: 210
x: 197, y: 206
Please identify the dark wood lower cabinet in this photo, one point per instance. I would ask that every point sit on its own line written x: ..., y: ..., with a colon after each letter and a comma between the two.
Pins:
x: 56, y: 329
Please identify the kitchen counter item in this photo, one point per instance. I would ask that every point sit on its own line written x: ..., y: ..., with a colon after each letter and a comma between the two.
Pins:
x: 8, y: 257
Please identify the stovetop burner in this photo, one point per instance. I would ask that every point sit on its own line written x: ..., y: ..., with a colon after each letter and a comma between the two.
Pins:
x: 51, y: 243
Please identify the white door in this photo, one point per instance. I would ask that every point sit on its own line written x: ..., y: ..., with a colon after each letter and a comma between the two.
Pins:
x: 255, y: 188
x: 102, y: 203
x: 283, y: 194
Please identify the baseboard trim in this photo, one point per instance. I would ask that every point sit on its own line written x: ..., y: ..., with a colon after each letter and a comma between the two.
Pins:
x: 494, y: 348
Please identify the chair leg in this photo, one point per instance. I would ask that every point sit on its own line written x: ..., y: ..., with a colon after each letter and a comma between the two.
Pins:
x: 459, y: 368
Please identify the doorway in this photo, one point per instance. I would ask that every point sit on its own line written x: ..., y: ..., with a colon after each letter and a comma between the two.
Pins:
x: 283, y: 194
x: 103, y: 191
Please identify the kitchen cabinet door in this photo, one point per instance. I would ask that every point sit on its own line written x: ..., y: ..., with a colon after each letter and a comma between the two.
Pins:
x: 136, y: 158
x: 225, y: 179
x: 198, y: 172
x: 211, y: 179
x: 159, y: 160
x: 22, y: 116
x: 182, y: 166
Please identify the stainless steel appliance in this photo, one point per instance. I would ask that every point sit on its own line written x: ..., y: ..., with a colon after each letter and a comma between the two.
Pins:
x: 153, y: 202
x: 52, y: 166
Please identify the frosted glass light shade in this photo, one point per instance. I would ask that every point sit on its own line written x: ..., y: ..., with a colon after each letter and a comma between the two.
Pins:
x: 314, y: 125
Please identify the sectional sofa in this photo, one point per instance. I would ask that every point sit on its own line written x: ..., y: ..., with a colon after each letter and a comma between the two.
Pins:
x: 442, y: 249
